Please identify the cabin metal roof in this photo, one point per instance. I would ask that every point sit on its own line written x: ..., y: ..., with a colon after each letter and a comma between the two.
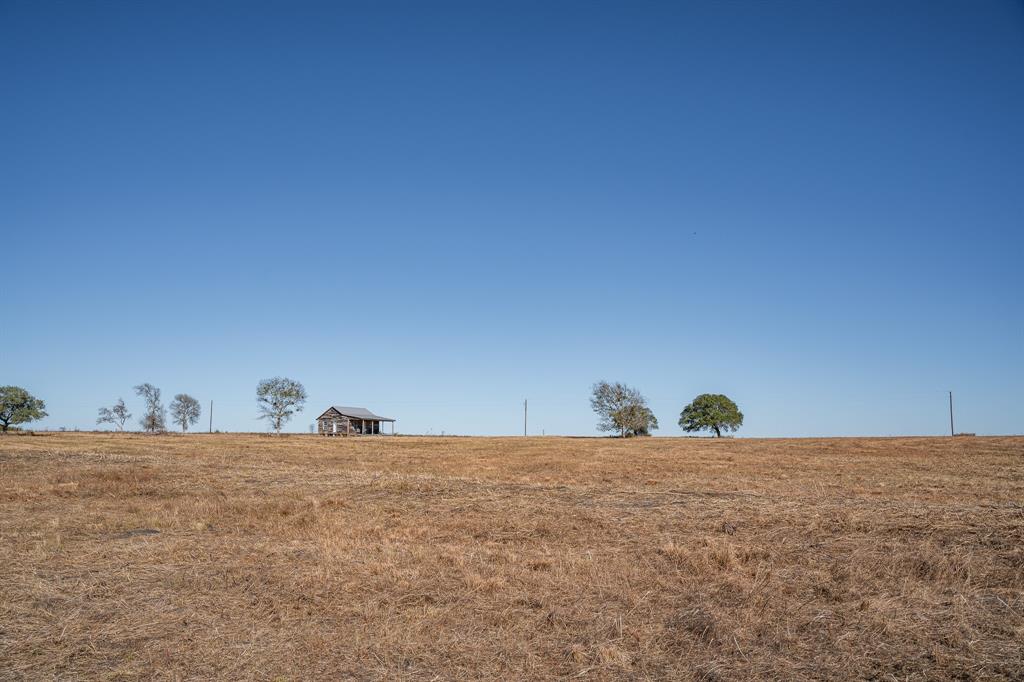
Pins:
x: 357, y: 413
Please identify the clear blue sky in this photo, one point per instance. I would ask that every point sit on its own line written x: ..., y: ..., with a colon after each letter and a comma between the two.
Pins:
x: 435, y: 210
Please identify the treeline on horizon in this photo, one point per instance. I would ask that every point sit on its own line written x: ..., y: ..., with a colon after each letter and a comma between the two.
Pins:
x: 621, y: 409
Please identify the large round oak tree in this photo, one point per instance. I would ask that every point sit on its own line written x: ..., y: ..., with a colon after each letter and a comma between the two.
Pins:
x: 18, y: 406
x: 711, y: 412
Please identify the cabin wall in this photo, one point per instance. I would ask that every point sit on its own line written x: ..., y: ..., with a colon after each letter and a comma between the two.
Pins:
x: 333, y: 426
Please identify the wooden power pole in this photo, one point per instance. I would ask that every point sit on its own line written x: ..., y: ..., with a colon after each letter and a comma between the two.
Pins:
x: 525, y: 407
x: 211, y: 416
x: 951, y: 431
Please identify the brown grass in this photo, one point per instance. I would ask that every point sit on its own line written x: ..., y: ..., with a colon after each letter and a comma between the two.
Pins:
x: 433, y: 558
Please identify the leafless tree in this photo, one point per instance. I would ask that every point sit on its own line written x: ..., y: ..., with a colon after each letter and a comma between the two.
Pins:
x: 116, y: 415
x: 185, y: 410
x: 155, y: 418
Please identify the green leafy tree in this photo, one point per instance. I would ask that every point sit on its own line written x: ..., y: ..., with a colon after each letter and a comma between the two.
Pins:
x: 279, y: 399
x: 185, y: 410
x: 637, y: 420
x: 621, y: 408
x: 18, y: 406
x: 711, y: 412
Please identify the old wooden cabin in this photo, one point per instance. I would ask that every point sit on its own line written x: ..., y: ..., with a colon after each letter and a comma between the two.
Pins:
x: 351, y: 421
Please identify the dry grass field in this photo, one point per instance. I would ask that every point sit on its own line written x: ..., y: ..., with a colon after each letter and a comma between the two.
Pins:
x: 254, y: 557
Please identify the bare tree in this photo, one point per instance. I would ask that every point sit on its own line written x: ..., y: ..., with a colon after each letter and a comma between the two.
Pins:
x: 623, y: 409
x: 155, y: 418
x: 185, y: 410
x: 116, y: 415
x: 279, y: 399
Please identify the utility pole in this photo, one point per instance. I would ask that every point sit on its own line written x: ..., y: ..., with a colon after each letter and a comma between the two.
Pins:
x: 211, y: 416
x: 524, y: 416
x: 951, y: 432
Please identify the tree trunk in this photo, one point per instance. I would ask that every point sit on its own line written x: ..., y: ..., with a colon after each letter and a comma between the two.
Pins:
x: 718, y: 432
